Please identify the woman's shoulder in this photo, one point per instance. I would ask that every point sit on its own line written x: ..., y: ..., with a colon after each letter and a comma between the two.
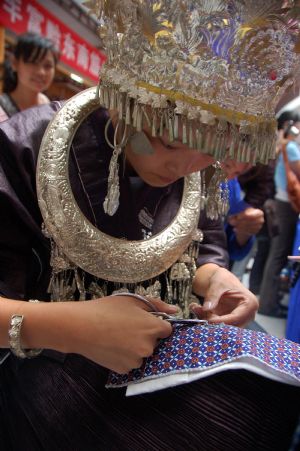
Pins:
x: 8, y: 105
x: 32, y: 118
x: 24, y: 131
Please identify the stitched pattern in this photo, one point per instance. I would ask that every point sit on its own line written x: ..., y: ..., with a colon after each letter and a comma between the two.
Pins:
x: 197, y: 348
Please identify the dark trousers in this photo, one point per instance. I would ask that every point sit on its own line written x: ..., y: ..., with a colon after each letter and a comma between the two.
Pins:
x: 281, y: 247
x: 47, y: 405
x: 263, y: 242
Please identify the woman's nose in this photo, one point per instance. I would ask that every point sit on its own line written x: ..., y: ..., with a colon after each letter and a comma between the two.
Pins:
x: 40, y: 69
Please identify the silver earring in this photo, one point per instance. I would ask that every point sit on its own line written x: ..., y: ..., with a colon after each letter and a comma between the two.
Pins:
x: 224, y: 200
x: 203, y: 191
x: 111, y: 201
x: 217, y: 202
x: 140, y: 144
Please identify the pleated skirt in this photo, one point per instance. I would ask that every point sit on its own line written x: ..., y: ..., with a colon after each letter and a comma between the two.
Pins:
x: 51, y: 404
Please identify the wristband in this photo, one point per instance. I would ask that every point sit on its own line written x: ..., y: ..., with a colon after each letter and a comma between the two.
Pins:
x: 14, y: 338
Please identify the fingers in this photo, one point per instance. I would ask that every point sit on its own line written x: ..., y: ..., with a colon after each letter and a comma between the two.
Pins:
x: 234, y: 307
x: 165, y: 329
x: 210, y: 304
x: 248, y: 220
x: 163, y: 306
x: 240, y: 316
x: 211, y: 300
x: 198, y: 311
x: 149, y: 304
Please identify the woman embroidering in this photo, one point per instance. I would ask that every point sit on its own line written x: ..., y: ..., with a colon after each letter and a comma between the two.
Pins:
x: 119, y: 237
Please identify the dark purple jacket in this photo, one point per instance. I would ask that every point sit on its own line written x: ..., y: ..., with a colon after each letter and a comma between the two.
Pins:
x: 24, y: 251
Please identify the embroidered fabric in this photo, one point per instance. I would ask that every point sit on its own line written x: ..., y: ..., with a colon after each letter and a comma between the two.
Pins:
x: 194, y: 352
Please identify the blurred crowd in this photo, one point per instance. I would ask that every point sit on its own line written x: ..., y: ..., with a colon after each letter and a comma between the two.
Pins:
x: 270, y: 254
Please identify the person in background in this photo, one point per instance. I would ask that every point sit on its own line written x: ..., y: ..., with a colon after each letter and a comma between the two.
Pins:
x: 29, y: 73
x: 283, y: 121
x: 257, y: 184
x: 243, y: 221
x: 281, y: 244
x: 242, y: 224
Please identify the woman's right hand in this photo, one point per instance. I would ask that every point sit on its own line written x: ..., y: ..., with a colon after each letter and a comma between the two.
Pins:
x: 115, y: 332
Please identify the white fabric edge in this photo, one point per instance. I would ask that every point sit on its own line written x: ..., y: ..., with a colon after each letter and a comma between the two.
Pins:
x: 184, y: 377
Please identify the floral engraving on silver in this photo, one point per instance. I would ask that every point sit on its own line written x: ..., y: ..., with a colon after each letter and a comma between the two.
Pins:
x: 106, y: 257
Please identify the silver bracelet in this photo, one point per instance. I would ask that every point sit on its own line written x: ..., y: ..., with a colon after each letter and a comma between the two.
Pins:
x: 140, y: 298
x: 14, y: 338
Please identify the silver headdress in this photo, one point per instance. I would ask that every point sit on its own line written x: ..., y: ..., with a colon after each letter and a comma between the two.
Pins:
x: 220, y: 65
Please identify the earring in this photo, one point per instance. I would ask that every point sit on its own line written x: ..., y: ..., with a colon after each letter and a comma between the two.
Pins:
x: 111, y: 201
x: 217, y: 202
x: 203, y: 191
x: 224, y: 200
x: 140, y: 144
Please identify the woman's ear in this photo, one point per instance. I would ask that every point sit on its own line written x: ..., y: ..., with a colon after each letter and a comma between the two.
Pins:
x: 140, y: 144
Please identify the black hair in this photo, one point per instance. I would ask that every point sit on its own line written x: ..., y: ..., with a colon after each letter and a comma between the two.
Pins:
x: 287, y: 117
x: 31, y: 48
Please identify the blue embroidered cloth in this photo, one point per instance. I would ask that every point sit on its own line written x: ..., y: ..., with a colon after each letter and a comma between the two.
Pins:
x: 197, y: 349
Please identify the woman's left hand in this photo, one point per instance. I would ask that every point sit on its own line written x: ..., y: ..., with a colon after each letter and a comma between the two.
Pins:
x: 247, y: 222
x: 226, y: 300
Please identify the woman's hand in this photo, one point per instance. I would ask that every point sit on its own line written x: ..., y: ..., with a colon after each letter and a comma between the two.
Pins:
x: 115, y: 332
x: 246, y: 223
x: 226, y: 300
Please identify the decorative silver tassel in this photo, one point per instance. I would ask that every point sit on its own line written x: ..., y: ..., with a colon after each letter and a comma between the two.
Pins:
x: 161, y: 126
x: 184, y: 131
x: 217, y: 201
x: 203, y: 191
x: 139, y: 118
x: 127, y: 111
x: 191, y: 135
x: 154, y: 123
x: 199, y: 139
x: 176, y: 127
x: 111, y: 201
x: 171, y: 117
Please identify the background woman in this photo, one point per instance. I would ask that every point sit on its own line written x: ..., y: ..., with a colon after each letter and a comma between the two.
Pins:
x: 28, y: 74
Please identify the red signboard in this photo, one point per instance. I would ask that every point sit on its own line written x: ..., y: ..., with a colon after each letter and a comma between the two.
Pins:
x: 28, y: 15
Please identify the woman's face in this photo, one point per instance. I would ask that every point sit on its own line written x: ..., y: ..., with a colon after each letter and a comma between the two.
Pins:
x: 36, y: 76
x: 169, y: 161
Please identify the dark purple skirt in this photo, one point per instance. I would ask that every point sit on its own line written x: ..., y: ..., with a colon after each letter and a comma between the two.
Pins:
x: 53, y: 405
